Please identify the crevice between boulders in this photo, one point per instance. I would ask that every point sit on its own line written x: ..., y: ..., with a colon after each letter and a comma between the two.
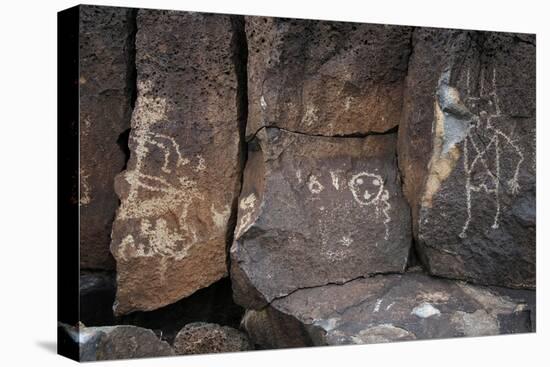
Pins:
x: 414, y: 259
x: 239, y: 50
x: 131, y: 83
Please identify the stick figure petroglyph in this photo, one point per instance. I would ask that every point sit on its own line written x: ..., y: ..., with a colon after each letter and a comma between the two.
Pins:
x: 484, y: 144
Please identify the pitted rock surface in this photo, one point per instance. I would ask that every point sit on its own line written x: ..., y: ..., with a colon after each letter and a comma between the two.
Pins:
x: 316, y: 210
x: 467, y: 154
x: 201, y: 338
x: 327, y: 78
x: 169, y: 236
x: 106, y: 87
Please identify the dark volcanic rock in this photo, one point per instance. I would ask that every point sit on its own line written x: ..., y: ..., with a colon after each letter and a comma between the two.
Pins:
x: 201, y: 338
x: 316, y: 210
x: 169, y: 236
x: 105, y: 85
x: 328, y: 78
x: 388, y: 308
x: 213, y: 304
x: 269, y: 329
x: 97, y: 294
x: 120, y: 342
x: 467, y: 154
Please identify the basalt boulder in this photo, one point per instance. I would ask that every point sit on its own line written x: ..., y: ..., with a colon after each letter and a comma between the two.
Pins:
x: 316, y: 210
x: 327, y: 78
x: 389, y: 308
x: 105, y: 103
x: 116, y: 342
x: 201, y: 338
x: 169, y: 235
x: 467, y: 154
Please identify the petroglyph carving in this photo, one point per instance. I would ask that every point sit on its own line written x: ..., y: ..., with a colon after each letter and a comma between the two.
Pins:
x: 335, y: 180
x: 483, y: 160
x: 85, y: 190
x: 161, y: 241
x: 314, y: 186
x: 346, y: 241
x: 153, y: 195
x: 246, y: 207
x: 310, y: 117
x: 368, y: 189
x: 220, y: 218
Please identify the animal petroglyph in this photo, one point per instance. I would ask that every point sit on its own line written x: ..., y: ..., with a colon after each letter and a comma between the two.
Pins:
x: 483, y: 159
x: 154, y: 194
x: 161, y: 241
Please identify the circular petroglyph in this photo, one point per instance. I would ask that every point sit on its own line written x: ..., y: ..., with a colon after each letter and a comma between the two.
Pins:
x: 366, y: 187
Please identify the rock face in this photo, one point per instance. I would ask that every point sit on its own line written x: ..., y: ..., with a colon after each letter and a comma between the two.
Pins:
x: 169, y: 236
x: 325, y: 78
x: 106, y: 72
x: 120, y: 342
x: 467, y: 154
x: 388, y: 308
x: 201, y: 338
x: 316, y: 210
x: 332, y: 157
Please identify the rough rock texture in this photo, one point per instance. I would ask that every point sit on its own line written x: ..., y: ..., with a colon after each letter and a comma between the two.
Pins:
x: 119, y: 342
x: 316, y: 210
x: 328, y: 78
x: 106, y: 74
x: 97, y: 294
x: 201, y: 338
x: 467, y: 154
x: 389, y: 308
x: 169, y: 236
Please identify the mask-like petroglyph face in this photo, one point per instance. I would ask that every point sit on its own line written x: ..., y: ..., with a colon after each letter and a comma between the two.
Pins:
x: 367, y: 188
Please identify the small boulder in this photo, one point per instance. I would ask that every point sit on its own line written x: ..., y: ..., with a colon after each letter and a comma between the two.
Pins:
x: 317, y: 210
x: 117, y: 342
x: 201, y: 338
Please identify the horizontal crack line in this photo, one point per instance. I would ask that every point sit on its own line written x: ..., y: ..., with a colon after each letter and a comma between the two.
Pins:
x: 392, y: 130
x: 367, y: 276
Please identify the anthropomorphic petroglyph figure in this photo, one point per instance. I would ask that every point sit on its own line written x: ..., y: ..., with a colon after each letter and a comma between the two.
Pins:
x: 368, y: 190
x: 369, y: 196
x: 485, y: 146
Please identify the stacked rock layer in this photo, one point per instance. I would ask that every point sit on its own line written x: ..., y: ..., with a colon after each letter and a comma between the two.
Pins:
x: 357, y: 183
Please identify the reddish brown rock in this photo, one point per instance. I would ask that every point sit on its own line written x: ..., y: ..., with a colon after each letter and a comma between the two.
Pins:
x: 328, y: 78
x: 169, y: 236
x: 316, y: 210
x: 467, y: 154
x: 201, y: 338
x: 387, y: 308
x: 106, y: 86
